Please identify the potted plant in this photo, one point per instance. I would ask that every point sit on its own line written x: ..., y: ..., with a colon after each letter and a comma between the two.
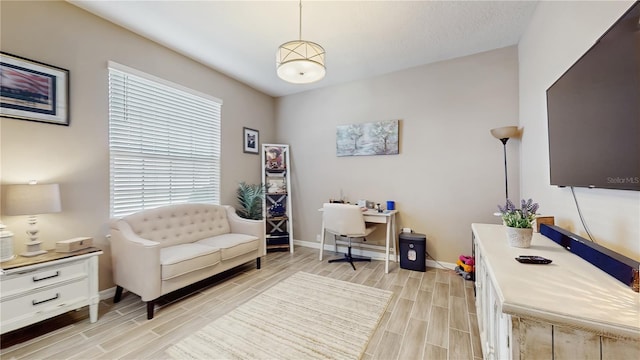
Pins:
x: 250, y: 197
x: 519, y: 222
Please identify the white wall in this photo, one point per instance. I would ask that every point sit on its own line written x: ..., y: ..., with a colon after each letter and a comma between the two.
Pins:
x: 77, y: 156
x: 559, y: 33
x: 449, y: 172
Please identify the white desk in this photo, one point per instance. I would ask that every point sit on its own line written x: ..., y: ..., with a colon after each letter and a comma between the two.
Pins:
x: 387, y: 217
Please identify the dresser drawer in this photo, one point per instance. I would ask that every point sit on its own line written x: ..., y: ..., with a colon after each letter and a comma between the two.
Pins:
x: 20, y: 282
x: 44, y: 301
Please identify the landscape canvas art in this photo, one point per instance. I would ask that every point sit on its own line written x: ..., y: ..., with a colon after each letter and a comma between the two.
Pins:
x: 376, y: 138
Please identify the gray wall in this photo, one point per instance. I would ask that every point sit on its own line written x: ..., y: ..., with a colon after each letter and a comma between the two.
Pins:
x: 77, y: 156
x: 449, y: 172
x: 559, y: 33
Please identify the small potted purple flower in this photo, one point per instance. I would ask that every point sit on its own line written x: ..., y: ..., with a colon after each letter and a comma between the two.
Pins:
x: 519, y: 222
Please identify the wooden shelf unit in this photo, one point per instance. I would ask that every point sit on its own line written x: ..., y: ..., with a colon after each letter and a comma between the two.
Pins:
x: 277, y: 209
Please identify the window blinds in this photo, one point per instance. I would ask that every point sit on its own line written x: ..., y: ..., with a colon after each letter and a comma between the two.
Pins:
x: 164, y: 143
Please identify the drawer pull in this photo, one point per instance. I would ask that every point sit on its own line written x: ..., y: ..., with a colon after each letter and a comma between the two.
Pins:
x: 44, y: 301
x: 35, y: 279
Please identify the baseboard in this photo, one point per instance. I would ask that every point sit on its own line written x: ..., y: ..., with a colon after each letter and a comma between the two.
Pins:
x: 375, y: 255
x: 107, y: 293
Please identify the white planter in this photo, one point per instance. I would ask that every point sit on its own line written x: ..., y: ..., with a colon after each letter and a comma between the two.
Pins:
x: 518, y: 237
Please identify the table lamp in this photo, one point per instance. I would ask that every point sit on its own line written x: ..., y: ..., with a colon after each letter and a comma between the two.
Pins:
x: 504, y: 134
x: 32, y: 199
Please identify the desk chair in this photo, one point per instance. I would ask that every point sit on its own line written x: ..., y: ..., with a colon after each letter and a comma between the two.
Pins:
x: 343, y: 220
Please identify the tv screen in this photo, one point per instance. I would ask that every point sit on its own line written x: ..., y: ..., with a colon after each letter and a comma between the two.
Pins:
x: 593, y: 113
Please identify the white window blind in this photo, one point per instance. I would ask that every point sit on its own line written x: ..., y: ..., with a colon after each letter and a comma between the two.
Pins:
x: 164, y: 143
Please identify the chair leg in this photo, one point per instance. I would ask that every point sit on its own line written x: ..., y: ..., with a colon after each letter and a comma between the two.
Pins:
x: 118, y: 295
x: 258, y: 263
x: 348, y: 257
x: 150, y: 306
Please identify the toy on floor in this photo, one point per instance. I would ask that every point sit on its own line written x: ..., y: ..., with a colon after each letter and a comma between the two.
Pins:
x: 466, y: 267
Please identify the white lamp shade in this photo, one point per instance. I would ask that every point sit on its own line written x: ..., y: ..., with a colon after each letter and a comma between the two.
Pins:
x: 32, y: 199
x: 505, y: 132
x: 300, y: 62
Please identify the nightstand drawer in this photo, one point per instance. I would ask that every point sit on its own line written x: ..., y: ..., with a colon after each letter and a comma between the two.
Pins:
x: 20, y: 282
x: 45, y: 301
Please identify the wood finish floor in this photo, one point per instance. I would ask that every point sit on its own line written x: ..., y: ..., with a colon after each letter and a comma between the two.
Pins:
x: 431, y: 316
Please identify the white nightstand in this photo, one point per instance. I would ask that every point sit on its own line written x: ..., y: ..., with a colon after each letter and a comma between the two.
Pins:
x: 37, y: 288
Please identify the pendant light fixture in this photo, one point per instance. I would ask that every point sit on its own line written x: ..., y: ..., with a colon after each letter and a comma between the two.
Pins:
x: 300, y: 61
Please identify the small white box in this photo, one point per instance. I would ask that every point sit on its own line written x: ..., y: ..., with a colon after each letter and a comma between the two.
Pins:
x: 75, y: 244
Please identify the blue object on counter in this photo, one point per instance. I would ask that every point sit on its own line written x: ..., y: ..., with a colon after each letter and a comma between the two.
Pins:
x: 391, y: 205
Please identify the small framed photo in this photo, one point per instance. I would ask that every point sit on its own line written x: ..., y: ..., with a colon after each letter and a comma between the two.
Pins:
x: 34, y: 91
x: 251, y: 139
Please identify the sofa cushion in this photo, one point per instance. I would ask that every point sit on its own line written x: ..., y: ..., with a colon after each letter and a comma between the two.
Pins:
x: 181, y: 259
x: 231, y: 245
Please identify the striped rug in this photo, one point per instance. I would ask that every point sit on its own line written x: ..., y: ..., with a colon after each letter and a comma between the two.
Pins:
x: 305, y: 316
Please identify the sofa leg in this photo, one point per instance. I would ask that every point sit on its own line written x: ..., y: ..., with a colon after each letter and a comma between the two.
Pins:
x: 258, y: 263
x: 118, y: 295
x: 150, y: 306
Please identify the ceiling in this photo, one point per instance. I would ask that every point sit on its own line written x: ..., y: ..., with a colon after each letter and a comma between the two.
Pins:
x: 361, y: 38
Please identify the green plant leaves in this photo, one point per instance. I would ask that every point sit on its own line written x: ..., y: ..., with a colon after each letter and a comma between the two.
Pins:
x: 250, y: 197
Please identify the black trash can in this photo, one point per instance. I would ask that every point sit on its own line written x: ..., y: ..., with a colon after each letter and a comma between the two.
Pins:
x: 413, y: 247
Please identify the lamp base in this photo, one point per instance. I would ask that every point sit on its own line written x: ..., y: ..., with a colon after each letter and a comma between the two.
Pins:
x: 33, y: 253
x: 33, y: 249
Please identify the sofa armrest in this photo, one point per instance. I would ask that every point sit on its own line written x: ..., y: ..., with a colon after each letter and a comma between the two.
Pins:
x: 240, y: 225
x: 136, y: 261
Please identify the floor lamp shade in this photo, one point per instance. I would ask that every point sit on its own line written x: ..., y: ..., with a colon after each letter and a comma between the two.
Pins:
x: 32, y: 200
x: 505, y: 132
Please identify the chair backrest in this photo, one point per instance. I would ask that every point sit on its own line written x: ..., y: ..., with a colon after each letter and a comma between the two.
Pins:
x: 343, y: 219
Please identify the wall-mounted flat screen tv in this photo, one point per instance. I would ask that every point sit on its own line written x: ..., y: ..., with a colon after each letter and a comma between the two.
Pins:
x: 593, y: 113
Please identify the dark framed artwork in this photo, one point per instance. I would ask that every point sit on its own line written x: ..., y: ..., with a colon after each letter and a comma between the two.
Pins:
x: 251, y: 139
x: 34, y: 91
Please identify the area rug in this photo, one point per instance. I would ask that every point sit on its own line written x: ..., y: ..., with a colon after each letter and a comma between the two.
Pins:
x: 305, y: 316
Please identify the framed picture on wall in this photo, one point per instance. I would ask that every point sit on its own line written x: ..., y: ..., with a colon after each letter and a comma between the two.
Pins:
x: 251, y: 140
x: 34, y: 91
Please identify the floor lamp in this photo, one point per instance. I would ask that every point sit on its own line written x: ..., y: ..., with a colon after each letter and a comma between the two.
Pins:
x: 32, y: 199
x: 504, y: 134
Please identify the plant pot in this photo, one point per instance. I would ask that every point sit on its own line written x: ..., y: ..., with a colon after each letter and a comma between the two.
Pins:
x: 518, y: 237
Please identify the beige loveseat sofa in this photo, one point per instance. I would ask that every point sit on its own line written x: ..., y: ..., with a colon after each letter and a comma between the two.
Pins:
x: 160, y: 250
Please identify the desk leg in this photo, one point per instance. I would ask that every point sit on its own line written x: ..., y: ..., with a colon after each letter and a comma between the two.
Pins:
x: 393, y: 238
x: 322, y: 240
x: 386, y: 258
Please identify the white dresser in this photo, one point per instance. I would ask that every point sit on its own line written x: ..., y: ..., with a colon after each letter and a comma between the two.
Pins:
x: 41, y: 287
x: 568, y: 309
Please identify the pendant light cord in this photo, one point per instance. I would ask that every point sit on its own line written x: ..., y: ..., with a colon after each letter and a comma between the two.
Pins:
x: 300, y: 28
